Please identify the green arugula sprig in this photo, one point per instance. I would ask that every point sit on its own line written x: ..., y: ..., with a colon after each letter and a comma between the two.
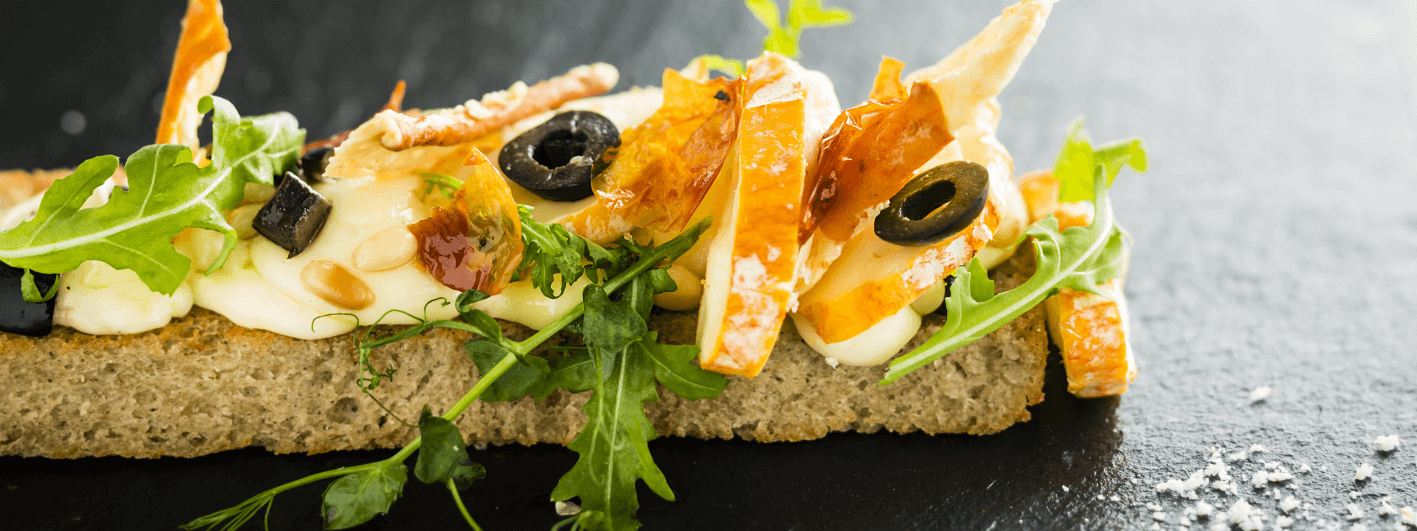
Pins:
x: 801, y: 14
x: 167, y: 193
x: 626, y: 362
x: 1079, y: 257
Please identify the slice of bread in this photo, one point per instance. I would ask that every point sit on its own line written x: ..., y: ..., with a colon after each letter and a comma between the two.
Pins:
x: 202, y: 385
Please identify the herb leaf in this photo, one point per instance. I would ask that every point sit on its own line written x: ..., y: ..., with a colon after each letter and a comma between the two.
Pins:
x: 551, y: 250
x: 674, y: 370
x: 1078, y: 164
x: 517, y: 381
x: 732, y: 67
x: 614, y: 445
x: 1077, y: 258
x: 167, y: 193
x: 30, y: 290
x: 443, y: 455
x: 801, y: 14
x: 356, y: 498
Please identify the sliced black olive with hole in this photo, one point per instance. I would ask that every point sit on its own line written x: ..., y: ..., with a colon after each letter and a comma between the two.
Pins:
x: 294, y: 216
x: 557, y: 159
x: 34, y: 319
x: 937, y: 204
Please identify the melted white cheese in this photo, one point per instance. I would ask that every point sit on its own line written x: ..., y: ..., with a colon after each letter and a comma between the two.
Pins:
x: 524, y: 304
x: 362, y: 207
x: 238, y: 292
x: 98, y: 299
x: 871, y: 347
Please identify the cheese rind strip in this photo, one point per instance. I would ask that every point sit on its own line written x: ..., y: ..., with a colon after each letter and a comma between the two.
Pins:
x: 196, y: 71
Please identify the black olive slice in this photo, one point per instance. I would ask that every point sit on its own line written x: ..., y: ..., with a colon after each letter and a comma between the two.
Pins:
x: 34, y: 319
x: 313, y: 163
x: 294, y: 216
x: 949, y: 284
x: 557, y: 159
x: 935, y: 204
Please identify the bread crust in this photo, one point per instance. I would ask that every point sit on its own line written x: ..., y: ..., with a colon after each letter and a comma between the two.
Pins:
x: 202, y: 385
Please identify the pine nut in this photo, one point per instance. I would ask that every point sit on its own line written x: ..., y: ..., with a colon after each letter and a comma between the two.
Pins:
x: 336, y: 285
x: 241, y: 219
x: 386, y: 249
x: 691, y: 289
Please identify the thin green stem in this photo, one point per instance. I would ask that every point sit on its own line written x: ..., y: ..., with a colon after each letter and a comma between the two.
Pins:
x: 458, y: 498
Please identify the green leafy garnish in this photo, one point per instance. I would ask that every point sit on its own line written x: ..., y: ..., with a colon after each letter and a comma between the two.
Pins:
x: 356, y: 498
x: 1079, y: 165
x: 167, y: 193
x: 555, y: 256
x: 801, y: 14
x: 30, y: 290
x: 732, y: 67
x: 443, y: 455
x: 362, y: 491
x: 1079, y: 258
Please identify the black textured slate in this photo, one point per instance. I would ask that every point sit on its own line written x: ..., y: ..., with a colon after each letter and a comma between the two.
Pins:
x: 1276, y: 245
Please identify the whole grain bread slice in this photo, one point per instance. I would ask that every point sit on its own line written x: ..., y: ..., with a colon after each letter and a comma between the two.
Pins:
x: 202, y: 385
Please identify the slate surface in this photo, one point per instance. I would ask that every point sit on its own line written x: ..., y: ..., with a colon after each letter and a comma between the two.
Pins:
x: 1276, y: 242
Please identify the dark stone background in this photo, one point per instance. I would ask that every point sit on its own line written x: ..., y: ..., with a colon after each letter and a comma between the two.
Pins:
x: 1276, y: 242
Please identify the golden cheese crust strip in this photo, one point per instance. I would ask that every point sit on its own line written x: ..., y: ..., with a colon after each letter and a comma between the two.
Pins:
x: 496, y: 110
x: 196, y: 70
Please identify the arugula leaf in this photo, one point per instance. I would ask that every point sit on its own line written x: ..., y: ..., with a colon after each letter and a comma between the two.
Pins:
x: 29, y: 290
x: 614, y: 445
x: 356, y: 498
x: 552, y: 250
x: 167, y: 193
x: 517, y: 381
x: 732, y: 67
x: 1079, y: 258
x: 484, y: 322
x: 801, y: 14
x: 574, y: 372
x: 443, y: 454
x: 674, y: 370
x: 1078, y: 164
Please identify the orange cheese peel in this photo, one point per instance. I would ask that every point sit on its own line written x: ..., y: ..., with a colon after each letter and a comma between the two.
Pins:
x: 196, y: 71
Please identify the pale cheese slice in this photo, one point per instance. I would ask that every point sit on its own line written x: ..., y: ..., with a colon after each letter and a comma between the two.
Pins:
x: 752, y: 261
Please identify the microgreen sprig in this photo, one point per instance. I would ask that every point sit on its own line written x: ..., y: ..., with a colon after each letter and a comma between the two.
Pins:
x: 363, y: 491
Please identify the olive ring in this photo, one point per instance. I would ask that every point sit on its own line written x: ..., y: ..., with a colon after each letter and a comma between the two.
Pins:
x: 557, y: 159
x: 937, y: 204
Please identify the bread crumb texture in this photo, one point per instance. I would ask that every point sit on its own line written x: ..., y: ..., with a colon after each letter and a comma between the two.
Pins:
x: 202, y: 385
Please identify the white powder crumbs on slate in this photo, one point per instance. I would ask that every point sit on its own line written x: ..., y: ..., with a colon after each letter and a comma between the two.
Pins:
x: 1260, y: 393
x: 1283, y: 522
x: 1238, y: 456
x: 1323, y: 468
x: 1353, y: 495
x: 1156, y: 527
x: 1203, y: 509
x: 1247, y: 517
x: 1153, y: 506
x: 1255, y: 449
x: 1259, y: 479
x: 1354, y: 512
x: 1388, y: 443
x: 1365, y: 471
x: 1219, y: 527
x: 1409, y: 517
x: 1358, y: 527
x: 1289, y: 504
x: 1280, y: 475
x: 1270, y: 464
x: 1101, y: 497
x: 1386, y: 509
x: 1305, y: 468
x: 1065, y: 488
x: 1159, y: 516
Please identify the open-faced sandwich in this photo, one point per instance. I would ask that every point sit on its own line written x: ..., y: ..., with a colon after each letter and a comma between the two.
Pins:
x: 591, y: 266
